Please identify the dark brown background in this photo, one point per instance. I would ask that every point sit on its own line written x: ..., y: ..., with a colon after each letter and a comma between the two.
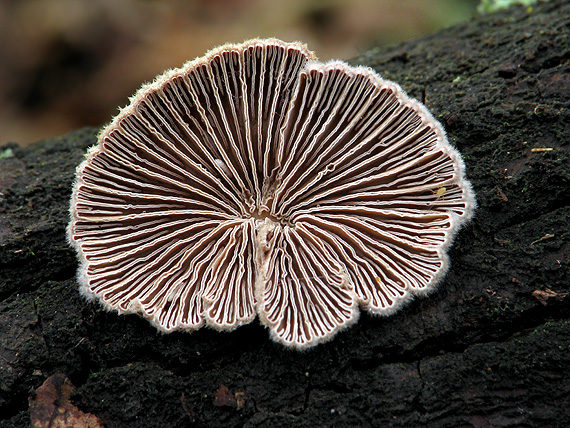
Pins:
x: 65, y: 64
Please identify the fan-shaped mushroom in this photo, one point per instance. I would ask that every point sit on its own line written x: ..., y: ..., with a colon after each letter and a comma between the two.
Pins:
x: 257, y: 180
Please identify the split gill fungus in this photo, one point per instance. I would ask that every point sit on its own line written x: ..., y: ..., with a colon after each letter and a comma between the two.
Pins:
x: 258, y: 181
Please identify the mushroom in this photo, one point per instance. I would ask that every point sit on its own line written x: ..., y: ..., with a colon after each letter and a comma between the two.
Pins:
x: 258, y: 181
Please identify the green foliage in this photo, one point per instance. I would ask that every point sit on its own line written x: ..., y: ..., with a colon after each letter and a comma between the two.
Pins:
x: 6, y: 153
x: 488, y: 6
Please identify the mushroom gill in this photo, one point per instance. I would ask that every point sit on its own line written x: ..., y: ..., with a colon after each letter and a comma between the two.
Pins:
x: 258, y: 181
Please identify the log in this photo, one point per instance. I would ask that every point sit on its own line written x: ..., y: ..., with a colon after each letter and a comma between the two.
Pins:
x: 489, y: 348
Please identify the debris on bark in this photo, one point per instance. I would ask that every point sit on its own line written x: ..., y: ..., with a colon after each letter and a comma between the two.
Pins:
x: 50, y: 406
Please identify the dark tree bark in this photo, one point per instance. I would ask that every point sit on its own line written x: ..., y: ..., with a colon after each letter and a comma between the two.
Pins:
x: 491, y: 347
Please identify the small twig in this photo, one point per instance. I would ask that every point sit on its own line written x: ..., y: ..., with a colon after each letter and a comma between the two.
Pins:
x: 545, y: 237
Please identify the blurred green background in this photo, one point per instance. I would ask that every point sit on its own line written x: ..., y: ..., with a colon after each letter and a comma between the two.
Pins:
x: 70, y: 63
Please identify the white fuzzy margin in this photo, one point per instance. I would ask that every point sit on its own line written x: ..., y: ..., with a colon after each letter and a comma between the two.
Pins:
x: 456, y: 221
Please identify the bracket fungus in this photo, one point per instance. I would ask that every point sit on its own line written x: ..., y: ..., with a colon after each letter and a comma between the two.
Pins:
x: 259, y: 181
